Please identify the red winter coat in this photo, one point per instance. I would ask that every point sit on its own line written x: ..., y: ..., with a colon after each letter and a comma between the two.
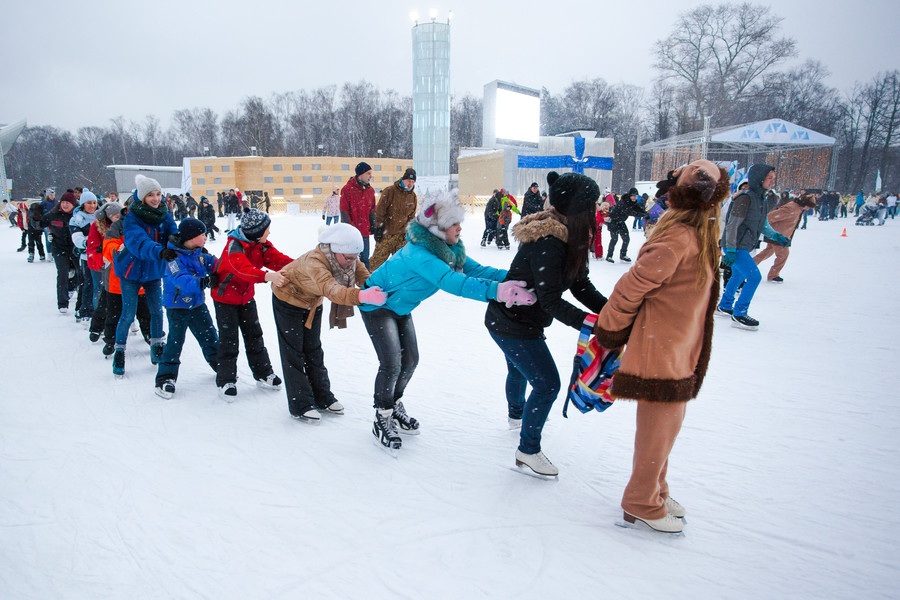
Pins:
x: 358, y: 202
x: 94, y: 248
x: 240, y: 268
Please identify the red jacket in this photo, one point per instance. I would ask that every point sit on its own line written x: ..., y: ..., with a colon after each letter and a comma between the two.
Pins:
x: 94, y: 248
x: 358, y: 203
x: 240, y: 268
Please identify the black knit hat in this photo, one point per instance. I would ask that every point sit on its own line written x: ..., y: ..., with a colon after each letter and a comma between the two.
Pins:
x: 190, y: 228
x: 572, y: 193
x: 362, y: 167
x: 633, y: 192
x: 254, y: 224
x: 410, y: 173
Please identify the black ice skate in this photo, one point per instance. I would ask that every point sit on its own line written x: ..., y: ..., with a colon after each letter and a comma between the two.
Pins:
x: 385, y: 431
x: 403, y: 421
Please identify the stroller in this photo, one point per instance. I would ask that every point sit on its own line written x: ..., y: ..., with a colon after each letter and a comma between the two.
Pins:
x: 867, y: 215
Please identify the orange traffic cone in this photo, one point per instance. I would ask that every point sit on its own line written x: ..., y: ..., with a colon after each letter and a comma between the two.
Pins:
x: 845, y: 232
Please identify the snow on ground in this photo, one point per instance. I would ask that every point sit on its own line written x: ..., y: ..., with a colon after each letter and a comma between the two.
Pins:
x: 787, y: 462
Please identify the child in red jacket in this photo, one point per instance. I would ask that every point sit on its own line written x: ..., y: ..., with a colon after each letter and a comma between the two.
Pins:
x: 236, y: 272
x: 602, y: 216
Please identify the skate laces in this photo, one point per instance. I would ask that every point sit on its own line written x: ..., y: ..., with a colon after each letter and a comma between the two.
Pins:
x: 403, y: 417
x: 386, y: 423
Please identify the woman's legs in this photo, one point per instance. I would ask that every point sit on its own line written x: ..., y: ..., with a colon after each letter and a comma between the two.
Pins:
x: 394, y: 339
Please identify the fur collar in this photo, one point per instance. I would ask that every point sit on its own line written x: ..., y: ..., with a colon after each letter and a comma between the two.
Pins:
x: 454, y: 255
x: 540, y: 225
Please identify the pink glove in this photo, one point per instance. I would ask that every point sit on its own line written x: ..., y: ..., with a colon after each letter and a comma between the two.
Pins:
x: 513, y: 293
x: 372, y: 295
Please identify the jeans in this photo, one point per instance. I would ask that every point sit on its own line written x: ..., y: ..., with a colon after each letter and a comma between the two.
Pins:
x: 394, y: 338
x: 364, y: 255
x: 180, y: 320
x: 97, y: 283
x: 330, y: 219
x: 153, y: 294
x: 110, y: 311
x: 744, y: 270
x: 529, y: 361
x: 84, y: 307
x: 232, y: 318
x: 302, y: 359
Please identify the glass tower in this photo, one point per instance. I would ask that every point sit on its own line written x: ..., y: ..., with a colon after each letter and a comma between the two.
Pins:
x: 431, y: 99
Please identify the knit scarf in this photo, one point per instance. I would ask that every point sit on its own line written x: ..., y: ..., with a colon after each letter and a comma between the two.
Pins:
x: 345, y: 276
x: 454, y: 255
x: 148, y: 214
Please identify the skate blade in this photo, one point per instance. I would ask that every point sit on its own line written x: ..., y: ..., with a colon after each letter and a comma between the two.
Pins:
x: 402, y: 431
x: 301, y: 419
x: 266, y: 386
x: 737, y: 325
x: 639, y: 525
x: 392, y: 452
x: 526, y: 470
x: 163, y: 395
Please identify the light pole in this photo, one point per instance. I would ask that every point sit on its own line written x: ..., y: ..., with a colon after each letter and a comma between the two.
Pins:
x: 321, y: 148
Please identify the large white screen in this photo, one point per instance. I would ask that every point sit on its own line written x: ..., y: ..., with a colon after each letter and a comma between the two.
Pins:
x: 518, y: 116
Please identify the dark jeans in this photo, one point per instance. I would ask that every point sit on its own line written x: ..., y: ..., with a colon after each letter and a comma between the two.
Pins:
x: 615, y: 230
x: 394, y: 338
x: 232, y: 318
x: 364, y: 255
x: 302, y: 359
x: 200, y: 323
x: 65, y: 265
x: 84, y: 307
x: 153, y: 294
x: 744, y: 270
x: 529, y: 361
x: 111, y: 310
x: 35, y: 238
x: 490, y: 229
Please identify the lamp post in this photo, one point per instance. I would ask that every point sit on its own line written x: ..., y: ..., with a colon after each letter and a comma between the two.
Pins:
x: 321, y: 148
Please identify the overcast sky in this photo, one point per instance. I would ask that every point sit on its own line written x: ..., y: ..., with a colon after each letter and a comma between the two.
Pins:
x: 71, y: 64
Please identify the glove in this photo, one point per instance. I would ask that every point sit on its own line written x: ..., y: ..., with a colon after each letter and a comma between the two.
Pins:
x: 730, y: 255
x: 204, y: 282
x: 378, y: 232
x: 204, y: 251
x: 323, y: 216
x: 513, y: 293
x: 168, y: 254
x: 372, y: 295
x: 213, y: 280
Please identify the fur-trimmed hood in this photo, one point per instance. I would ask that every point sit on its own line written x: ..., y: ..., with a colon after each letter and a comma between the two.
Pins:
x: 540, y: 225
x: 454, y: 255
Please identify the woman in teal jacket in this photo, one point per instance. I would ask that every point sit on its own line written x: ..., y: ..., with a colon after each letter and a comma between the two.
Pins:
x: 434, y: 259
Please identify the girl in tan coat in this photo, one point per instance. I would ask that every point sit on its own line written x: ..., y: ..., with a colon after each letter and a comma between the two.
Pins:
x: 331, y: 270
x: 662, y: 309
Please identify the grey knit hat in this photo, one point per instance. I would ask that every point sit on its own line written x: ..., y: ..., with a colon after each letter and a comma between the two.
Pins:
x: 144, y: 186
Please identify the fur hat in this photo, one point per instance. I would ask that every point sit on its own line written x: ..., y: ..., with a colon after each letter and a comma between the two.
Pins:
x: 87, y: 196
x: 343, y: 238
x: 362, y: 167
x: 49, y: 191
x: 440, y: 212
x: 190, y: 228
x: 108, y: 210
x: 699, y: 184
x: 572, y: 193
x: 254, y: 224
x: 807, y: 200
x: 144, y: 186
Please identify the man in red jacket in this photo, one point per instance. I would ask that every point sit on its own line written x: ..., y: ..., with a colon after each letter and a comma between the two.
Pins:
x: 358, y: 206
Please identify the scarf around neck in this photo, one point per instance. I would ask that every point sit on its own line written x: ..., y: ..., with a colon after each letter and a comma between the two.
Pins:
x: 345, y: 276
x: 148, y: 214
x: 454, y: 255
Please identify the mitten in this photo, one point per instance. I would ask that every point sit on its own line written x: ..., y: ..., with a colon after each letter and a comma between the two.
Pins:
x: 514, y: 293
x: 168, y: 254
x: 730, y: 255
x: 372, y: 295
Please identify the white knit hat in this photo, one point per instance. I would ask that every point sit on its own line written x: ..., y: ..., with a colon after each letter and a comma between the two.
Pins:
x: 144, y: 186
x: 439, y: 212
x: 343, y: 239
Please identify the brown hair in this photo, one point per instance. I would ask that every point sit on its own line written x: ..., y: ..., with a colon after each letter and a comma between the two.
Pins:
x: 705, y: 221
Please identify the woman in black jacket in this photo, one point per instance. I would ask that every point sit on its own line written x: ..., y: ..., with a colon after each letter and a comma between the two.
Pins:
x: 552, y: 258
x: 627, y: 206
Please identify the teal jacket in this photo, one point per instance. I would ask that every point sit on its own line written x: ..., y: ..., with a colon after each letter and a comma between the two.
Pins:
x: 427, y: 264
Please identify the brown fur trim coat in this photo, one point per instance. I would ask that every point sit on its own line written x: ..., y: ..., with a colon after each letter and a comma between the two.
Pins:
x: 664, y: 318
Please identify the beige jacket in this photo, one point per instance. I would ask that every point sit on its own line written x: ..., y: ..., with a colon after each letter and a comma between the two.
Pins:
x: 310, y: 281
x: 665, y: 319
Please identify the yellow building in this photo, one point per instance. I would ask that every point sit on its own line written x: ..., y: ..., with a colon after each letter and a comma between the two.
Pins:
x: 304, y: 181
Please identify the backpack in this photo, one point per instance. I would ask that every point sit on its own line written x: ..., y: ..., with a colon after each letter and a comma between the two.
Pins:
x: 592, y: 372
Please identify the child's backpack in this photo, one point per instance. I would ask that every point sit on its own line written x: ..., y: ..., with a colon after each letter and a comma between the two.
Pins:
x: 592, y: 373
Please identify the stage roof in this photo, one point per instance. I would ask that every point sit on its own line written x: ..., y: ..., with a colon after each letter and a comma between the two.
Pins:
x: 751, y: 137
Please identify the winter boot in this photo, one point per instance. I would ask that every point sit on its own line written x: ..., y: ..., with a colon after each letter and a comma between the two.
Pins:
x: 166, y: 389
x: 403, y: 421
x: 384, y: 429
x: 31, y: 257
x: 667, y: 524
x: 119, y: 361
x: 269, y: 382
x: 156, y: 352
x: 538, y: 463
x: 744, y: 322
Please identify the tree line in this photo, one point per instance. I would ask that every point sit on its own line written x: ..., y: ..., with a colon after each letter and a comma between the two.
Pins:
x: 719, y: 61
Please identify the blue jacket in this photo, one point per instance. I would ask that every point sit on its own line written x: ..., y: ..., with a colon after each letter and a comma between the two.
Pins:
x: 186, y: 276
x: 139, y: 260
x: 416, y: 272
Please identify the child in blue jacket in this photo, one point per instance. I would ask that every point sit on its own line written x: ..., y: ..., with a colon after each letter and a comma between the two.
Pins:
x: 183, y: 283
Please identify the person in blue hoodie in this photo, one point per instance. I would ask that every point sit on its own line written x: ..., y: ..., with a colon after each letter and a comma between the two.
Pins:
x: 433, y: 259
x: 183, y: 284
x: 79, y: 226
x: 141, y: 263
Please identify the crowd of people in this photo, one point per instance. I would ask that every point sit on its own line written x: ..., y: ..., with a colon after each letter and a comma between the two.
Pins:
x: 127, y: 261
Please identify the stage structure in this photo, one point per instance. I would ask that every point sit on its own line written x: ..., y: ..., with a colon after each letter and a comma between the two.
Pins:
x: 8, y: 136
x: 803, y: 158
x: 431, y: 100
